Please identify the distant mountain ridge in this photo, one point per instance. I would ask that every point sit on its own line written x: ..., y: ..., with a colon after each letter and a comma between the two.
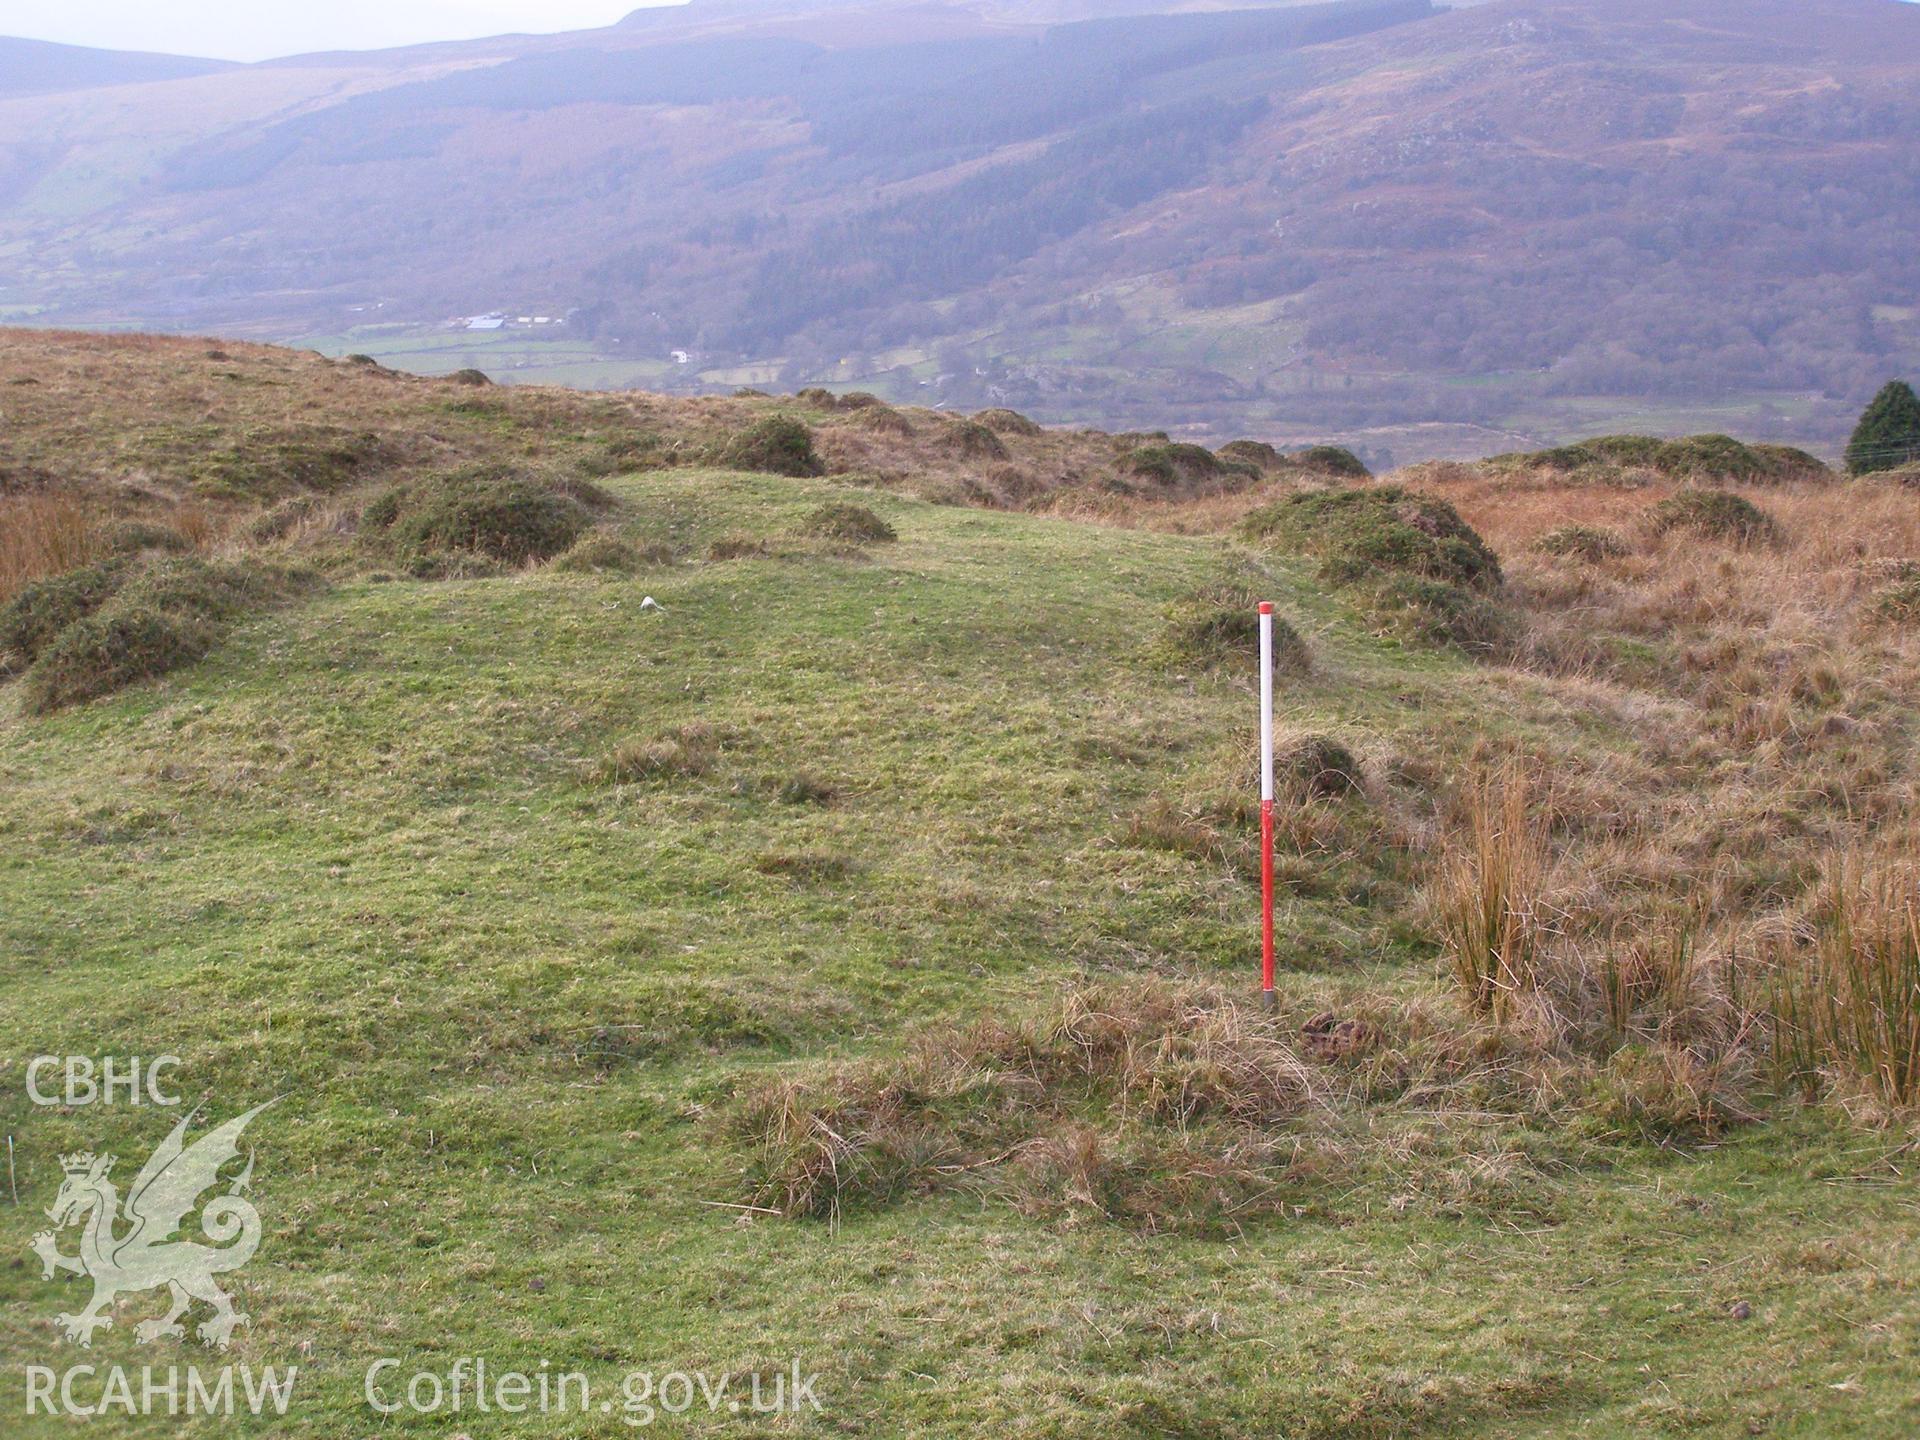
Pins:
x: 42, y: 67
x: 1430, y: 231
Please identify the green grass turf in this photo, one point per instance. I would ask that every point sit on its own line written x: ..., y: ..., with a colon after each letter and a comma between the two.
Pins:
x: 360, y: 858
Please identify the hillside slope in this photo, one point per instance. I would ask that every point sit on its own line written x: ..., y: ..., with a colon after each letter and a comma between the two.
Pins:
x: 1508, y: 224
x: 849, y: 957
x: 38, y: 67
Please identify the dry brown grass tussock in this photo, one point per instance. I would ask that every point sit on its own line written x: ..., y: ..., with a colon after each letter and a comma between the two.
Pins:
x: 46, y: 534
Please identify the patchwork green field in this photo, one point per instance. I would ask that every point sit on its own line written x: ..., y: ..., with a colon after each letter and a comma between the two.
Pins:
x: 571, y: 934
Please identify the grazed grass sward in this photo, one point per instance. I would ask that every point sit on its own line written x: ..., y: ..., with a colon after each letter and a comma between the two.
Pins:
x: 363, y: 855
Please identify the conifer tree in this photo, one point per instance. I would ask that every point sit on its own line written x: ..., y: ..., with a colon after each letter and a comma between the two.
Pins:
x: 1888, y: 434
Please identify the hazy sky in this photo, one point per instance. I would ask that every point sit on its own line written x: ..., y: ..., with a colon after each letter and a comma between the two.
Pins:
x: 262, y: 29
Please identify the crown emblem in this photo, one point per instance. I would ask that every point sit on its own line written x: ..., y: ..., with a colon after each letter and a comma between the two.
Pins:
x: 78, y: 1163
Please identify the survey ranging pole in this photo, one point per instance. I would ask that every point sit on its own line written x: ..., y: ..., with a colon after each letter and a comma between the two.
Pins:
x: 1266, y: 803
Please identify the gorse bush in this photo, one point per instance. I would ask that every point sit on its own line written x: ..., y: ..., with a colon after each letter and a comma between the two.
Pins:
x: 1330, y: 460
x: 1007, y: 422
x: 621, y: 453
x: 1717, y: 458
x: 1899, y: 599
x: 883, y: 420
x: 43, y: 608
x: 818, y: 397
x: 278, y: 521
x: 803, y: 787
x: 1165, y: 825
x: 1581, y: 542
x: 776, y: 445
x: 130, y: 623
x: 490, y: 513
x: 974, y: 441
x: 105, y: 652
x: 289, y: 460
x: 135, y: 537
x: 1716, y: 514
x: 1368, y: 534
x: 1421, y: 570
x: 1315, y: 766
x: 738, y: 547
x: 1174, y: 463
x: 1435, y: 612
x: 1220, y: 626
x: 1251, y: 452
x: 597, y: 552
x: 854, y: 524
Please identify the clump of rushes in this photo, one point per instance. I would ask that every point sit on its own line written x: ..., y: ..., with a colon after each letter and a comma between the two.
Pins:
x: 1006, y: 1102
x: 1848, y: 1010
x: 1488, y: 897
x: 688, y: 752
x: 42, y: 535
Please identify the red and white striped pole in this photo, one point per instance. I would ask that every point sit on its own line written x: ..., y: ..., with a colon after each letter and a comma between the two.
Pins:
x: 1266, y: 803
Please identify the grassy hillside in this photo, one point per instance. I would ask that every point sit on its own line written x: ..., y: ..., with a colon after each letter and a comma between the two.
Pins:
x: 851, y: 956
